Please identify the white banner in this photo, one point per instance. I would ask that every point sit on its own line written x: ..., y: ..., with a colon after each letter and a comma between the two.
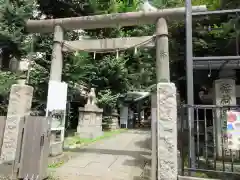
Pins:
x: 57, y: 96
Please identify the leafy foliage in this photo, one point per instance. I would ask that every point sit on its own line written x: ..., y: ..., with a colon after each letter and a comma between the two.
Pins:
x: 12, y: 25
x: 110, y: 76
x: 107, y: 99
x: 6, y: 80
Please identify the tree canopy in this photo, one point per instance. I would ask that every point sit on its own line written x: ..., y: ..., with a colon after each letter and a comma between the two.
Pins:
x: 110, y: 76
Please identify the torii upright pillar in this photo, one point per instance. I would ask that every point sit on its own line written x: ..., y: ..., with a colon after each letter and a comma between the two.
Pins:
x: 165, y: 128
x: 56, y: 148
x: 57, y: 58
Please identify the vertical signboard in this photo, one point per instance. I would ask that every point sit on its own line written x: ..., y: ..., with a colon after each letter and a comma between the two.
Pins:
x: 57, y: 96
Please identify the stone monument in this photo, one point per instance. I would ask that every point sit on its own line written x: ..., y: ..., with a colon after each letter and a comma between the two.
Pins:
x: 20, y: 102
x: 225, y: 95
x: 90, y: 118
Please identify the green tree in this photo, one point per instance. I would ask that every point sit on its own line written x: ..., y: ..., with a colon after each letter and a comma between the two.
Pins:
x: 13, y: 39
x: 110, y: 76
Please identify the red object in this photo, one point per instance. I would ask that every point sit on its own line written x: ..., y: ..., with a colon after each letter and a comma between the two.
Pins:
x: 232, y: 117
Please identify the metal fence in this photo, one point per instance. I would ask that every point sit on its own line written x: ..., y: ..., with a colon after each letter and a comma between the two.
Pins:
x: 206, y: 135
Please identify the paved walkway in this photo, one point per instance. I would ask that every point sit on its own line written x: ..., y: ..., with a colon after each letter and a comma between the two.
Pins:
x: 123, y: 157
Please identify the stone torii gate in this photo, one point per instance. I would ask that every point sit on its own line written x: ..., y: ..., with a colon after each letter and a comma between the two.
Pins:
x: 108, y: 21
x: 166, y: 115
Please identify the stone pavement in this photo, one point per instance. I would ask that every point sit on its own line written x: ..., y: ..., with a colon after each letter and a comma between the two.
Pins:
x: 123, y: 157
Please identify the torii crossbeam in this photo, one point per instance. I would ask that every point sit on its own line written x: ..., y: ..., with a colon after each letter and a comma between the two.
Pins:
x: 108, y: 20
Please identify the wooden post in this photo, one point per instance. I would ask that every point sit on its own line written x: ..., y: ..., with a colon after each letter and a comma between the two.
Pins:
x: 57, y: 60
x: 162, y: 52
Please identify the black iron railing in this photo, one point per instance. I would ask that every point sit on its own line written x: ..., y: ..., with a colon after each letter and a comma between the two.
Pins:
x: 211, y: 144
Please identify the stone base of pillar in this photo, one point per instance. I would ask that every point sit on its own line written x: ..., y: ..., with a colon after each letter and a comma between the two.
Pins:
x: 56, y: 149
x: 167, y: 131
x: 90, y: 122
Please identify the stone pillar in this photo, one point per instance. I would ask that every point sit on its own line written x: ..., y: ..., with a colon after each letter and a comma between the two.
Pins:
x: 56, y: 75
x: 57, y: 59
x: 166, y: 108
x: 20, y: 103
x: 225, y: 94
x: 167, y: 131
x: 162, y: 52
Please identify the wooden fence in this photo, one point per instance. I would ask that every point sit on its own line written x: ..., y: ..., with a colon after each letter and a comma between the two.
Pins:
x: 32, y: 147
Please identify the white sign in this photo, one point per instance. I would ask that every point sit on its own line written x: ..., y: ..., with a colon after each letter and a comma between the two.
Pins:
x: 57, y: 96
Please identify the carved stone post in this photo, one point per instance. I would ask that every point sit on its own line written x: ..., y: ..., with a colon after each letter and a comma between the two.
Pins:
x: 20, y: 102
x: 57, y: 60
x: 225, y: 94
x: 167, y: 131
x: 167, y: 167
